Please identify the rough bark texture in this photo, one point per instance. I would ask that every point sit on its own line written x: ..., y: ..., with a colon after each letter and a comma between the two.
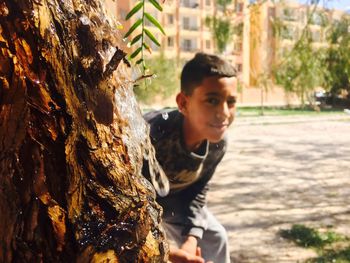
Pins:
x: 72, y: 140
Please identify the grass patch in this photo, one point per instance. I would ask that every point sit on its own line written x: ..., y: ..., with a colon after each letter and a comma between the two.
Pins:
x: 282, y: 111
x: 270, y: 111
x: 330, y: 246
x: 336, y: 256
x: 308, y: 237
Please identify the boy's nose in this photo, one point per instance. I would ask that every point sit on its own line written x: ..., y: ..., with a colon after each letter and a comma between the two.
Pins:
x: 227, y: 110
x: 223, y: 112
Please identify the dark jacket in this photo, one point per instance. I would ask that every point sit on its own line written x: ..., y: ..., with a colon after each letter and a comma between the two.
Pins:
x: 188, y: 172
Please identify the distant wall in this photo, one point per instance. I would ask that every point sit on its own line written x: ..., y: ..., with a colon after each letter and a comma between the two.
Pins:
x: 275, y: 96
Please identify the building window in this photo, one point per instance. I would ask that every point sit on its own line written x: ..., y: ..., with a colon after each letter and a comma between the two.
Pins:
x: 186, y: 3
x: 153, y: 45
x: 238, y: 29
x: 189, y: 24
x: 239, y: 7
x: 207, y: 44
x: 318, y: 19
x: 189, y: 3
x: 188, y: 45
x: 272, y: 11
x: 170, y: 19
x: 289, y: 14
x: 186, y: 23
x: 316, y: 36
x: 170, y: 41
x: 288, y: 33
x: 208, y: 2
x: 239, y: 67
x: 238, y: 47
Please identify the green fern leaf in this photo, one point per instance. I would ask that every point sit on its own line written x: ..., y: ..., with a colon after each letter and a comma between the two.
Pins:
x: 156, y: 5
x: 135, y: 39
x: 133, y: 27
x: 134, y: 10
x: 139, y: 61
x: 147, y: 47
x: 154, y: 22
x: 135, y: 53
x: 152, y: 37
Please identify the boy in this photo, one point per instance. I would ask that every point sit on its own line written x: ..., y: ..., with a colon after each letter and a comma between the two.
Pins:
x: 189, y: 144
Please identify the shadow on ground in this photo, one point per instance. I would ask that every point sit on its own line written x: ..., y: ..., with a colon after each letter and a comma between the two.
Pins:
x: 277, y: 175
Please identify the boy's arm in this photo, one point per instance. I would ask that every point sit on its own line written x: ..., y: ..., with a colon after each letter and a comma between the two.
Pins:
x: 197, y: 219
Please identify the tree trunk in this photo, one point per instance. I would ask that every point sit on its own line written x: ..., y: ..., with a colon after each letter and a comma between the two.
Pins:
x: 72, y: 140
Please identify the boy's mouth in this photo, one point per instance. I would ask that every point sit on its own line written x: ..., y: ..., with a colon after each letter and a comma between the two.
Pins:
x: 221, y: 126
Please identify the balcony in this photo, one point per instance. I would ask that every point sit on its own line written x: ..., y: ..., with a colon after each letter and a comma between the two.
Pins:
x: 190, y: 27
x: 189, y: 4
x: 189, y: 49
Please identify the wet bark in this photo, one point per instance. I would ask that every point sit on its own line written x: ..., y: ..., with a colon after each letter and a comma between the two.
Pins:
x: 72, y: 140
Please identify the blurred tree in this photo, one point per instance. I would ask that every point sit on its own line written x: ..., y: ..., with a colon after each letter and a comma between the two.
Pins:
x: 301, y: 69
x: 337, y: 57
x: 221, y: 25
x: 164, y: 83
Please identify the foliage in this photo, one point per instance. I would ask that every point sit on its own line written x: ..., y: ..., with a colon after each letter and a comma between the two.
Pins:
x: 238, y: 29
x: 223, y: 3
x: 337, y: 58
x: 221, y: 26
x: 330, y: 246
x: 308, y: 237
x: 333, y: 255
x: 140, y: 40
x: 302, y: 69
x: 222, y: 31
x: 165, y: 81
x: 283, y: 111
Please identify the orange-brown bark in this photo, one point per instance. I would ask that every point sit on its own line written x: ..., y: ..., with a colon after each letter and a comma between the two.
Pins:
x: 72, y: 140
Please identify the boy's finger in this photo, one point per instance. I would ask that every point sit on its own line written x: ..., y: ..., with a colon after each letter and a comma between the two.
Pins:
x: 198, y: 252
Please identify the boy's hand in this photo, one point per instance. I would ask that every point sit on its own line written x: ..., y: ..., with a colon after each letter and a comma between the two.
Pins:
x: 177, y: 255
x: 190, y: 245
x: 199, y: 254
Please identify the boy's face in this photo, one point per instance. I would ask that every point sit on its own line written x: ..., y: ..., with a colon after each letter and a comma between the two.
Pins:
x: 210, y: 109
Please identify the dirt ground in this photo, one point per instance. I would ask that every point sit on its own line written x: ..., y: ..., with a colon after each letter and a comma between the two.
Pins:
x: 278, y: 172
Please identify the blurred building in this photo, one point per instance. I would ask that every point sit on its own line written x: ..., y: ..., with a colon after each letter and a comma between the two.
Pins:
x: 255, y: 45
x: 186, y: 29
x: 274, y: 28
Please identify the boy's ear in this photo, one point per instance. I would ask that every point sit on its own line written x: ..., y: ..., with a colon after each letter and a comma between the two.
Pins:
x: 181, y: 101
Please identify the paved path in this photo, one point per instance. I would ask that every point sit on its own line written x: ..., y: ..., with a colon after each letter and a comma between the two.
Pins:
x: 279, y: 172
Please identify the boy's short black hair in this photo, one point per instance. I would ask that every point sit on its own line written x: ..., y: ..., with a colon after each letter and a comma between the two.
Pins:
x: 202, y: 66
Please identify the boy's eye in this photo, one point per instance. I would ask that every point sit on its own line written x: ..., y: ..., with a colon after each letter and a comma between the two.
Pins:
x: 213, y: 101
x: 231, y: 102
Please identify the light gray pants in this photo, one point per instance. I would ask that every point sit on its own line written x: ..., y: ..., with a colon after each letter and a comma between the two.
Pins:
x: 214, y: 244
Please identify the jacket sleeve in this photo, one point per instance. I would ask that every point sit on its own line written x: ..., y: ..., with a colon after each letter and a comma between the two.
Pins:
x: 196, y: 216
